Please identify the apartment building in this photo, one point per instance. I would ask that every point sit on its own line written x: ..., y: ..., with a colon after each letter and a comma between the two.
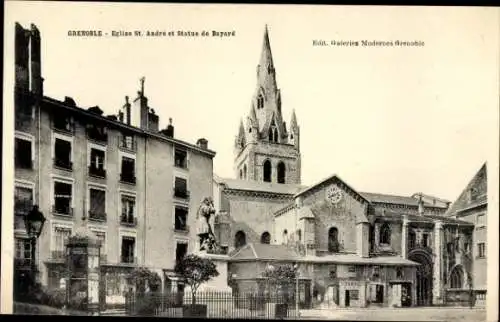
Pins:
x: 138, y: 187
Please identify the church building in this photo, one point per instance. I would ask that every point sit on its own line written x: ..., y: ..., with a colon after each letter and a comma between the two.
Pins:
x: 353, y: 249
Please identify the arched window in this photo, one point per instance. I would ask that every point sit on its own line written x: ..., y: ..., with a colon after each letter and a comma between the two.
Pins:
x: 270, y: 135
x: 241, y: 174
x: 267, y: 171
x: 456, y: 278
x: 275, y: 135
x: 285, y: 236
x: 299, y: 235
x: 244, y: 171
x: 333, y: 240
x: 240, y: 239
x: 385, y: 234
x: 265, y: 238
x: 260, y: 101
x: 281, y: 172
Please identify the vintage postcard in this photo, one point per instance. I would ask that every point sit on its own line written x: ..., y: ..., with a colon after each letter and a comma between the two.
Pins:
x: 250, y: 161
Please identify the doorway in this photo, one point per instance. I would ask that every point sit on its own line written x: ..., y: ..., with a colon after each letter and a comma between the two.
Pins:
x: 347, y: 299
x: 424, y: 278
x: 405, y: 295
x: 379, y: 294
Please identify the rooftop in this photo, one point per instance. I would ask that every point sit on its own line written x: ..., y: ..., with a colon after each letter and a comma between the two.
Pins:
x: 395, y: 199
x: 265, y: 252
x: 256, y: 186
x: 120, y: 125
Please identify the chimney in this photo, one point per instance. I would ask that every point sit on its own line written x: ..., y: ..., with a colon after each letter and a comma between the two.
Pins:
x: 22, y: 57
x: 169, y: 131
x: 202, y: 143
x: 36, y: 61
x: 153, y: 121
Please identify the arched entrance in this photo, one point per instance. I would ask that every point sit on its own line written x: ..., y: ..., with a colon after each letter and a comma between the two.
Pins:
x: 424, y: 277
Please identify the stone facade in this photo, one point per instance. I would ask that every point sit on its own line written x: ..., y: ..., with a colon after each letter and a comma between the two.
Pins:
x: 149, y: 186
x: 472, y: 206
x: 265, y: 150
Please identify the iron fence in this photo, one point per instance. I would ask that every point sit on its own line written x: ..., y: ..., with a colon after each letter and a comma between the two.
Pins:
x: 213, y: 304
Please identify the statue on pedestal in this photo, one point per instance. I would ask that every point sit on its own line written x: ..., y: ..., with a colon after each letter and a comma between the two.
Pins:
x: 205, y: 231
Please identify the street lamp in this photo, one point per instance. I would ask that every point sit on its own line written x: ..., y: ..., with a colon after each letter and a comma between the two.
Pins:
x: 34, y: 222
x: 296, y: 266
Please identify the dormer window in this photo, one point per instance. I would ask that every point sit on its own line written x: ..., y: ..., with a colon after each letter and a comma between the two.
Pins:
x: 260, y: 101
x: 473, y: 194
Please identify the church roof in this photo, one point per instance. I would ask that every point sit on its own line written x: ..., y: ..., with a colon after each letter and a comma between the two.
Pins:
x: 463, y: 202
x: 355, y: 259
x: 256, y: 186
x: 265, y: 252
x: 330, y: 178
x: 395, y: 199
x: 387, y: 213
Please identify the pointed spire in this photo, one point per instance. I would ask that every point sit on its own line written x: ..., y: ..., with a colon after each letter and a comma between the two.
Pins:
x: 293, y: 122
x: 266, y: 57
x: 241, y: 132
x: 252, y: 115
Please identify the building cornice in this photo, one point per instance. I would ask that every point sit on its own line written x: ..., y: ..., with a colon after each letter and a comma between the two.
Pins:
x: 258, y: 194
x: 123, y: 126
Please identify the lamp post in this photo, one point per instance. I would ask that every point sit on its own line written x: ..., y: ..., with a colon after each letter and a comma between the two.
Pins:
x: 34, y: 222
x: 296, y: 266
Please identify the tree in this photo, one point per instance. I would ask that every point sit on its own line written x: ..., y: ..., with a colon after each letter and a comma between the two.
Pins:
x: 142, y: 277
x: 196, y: 270
x: 281, y: 276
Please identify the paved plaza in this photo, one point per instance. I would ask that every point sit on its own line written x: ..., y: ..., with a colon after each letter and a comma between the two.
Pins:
x: 406, y: 314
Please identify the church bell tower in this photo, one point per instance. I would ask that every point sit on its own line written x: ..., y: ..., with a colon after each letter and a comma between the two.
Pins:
x: 265, y: 150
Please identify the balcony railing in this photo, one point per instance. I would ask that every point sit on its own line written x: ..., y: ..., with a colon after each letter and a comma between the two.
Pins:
x: 128, y: 178
x: 182, y: 194
x: 97, y: 216
x: 181, y: 228
x: 62, y: 211
x: 128, y: 220
x: 97, y: 172
x: 181, y: 163
x: 63, y: 124
x: 98, y: 135
x: 128, y: 259
x: 22, y: 263
x: 63, y: 164
x: 58, y: 255
x: 130, y: 144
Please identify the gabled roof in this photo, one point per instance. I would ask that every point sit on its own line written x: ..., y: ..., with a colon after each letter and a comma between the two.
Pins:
x: 387, y: 213
x: 395, y: 199
x: 331, y: 178
x: 253, y: 251
x: 416, y: 195
x: 256, y: 186
x: 479, y: 181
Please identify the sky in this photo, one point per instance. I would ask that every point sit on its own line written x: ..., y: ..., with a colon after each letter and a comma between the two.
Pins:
x: 385, y: 119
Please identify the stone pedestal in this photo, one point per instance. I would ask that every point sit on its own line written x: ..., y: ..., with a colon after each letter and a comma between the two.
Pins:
x: 218, y: 283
